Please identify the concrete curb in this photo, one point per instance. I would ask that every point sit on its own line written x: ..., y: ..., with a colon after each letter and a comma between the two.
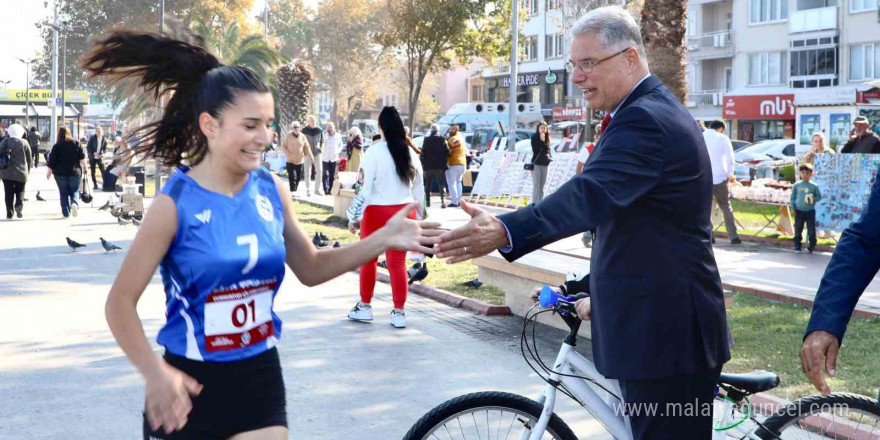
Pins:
x: 451, y: 299
x: 773, y: 241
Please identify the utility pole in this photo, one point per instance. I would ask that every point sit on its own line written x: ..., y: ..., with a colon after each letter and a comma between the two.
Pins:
x: 54, y: 122
x: 514, y: 30
x: 266, y: 22
x: 63, y: 73
x: 27, y: 93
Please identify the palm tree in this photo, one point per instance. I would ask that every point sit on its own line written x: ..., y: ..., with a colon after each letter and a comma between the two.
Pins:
x: 663, y: 31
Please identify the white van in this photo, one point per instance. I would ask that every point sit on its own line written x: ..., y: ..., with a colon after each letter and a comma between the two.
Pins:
x: 369, y: 128
x: 470, y: 116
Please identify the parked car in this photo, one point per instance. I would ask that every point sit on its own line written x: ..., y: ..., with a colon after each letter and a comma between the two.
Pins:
x: 762, y: 159
x: 499, y: 143
x: 419, y: 141
x: 739, y: 145
x: 484, y: 138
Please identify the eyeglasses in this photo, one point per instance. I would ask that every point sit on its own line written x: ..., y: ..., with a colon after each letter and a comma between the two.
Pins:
x: 587, y: 66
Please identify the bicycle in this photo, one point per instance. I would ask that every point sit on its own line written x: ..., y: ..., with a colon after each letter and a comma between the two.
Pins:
x: 482, y: 414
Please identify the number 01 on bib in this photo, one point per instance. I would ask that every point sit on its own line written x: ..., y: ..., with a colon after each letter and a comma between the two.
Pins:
x: 238, y: 318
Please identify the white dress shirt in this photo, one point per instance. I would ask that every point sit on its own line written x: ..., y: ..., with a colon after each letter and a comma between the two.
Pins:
x: 332, y: 147
x: 720, y: 155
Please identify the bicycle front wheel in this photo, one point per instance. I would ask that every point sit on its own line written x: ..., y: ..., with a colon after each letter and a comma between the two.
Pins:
x: 831, y: 416
x: 486, y: 415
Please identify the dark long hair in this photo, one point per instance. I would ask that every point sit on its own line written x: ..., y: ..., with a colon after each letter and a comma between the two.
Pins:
x: 546, y: 138
x: 395, y: 137
x: 196, y: 80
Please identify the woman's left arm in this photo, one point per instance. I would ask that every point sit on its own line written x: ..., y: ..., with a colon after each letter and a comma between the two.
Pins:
x: 315, y: 266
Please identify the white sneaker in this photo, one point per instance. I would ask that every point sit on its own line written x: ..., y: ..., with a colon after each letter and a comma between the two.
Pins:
x: 73, y: 209
x: 398, y: 318
x: 361, y: 312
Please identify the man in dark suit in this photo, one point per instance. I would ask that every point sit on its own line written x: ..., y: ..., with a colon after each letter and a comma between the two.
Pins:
x: 854, y: 264
x: 96, y: 147
x: 657, y: 307
x: 435, y: 151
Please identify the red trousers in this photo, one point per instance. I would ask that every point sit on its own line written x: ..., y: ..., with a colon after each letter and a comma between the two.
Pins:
x: 374, y: 219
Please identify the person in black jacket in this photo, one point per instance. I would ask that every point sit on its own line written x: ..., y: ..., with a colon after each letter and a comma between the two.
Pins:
x: 33, y: 139
x: 67, y: 161
x: 433, y: 156
x: 541, y: 160
x: 96, y: 148
x: 862, y: 139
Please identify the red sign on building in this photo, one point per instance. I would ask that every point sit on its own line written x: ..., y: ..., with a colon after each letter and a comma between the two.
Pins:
x: 867, y: 96
x: 759, y: 107
x: 568, y: 114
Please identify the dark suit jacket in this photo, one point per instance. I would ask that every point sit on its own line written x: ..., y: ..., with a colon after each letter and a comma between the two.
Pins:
x: 95, y: 146
x: 658, y: 305
x: 854, y: 264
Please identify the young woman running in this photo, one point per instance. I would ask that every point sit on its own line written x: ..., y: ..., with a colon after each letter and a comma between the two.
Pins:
x: 220, y: 233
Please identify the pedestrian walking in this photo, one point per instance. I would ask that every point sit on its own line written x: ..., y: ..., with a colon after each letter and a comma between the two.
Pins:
x: 220, y: 232
x: 295, y: 147
x: 354, y: 149
x: 15, y: 173
x: 540, y: 160
x: 67, y: 162
x: 435, y: 152
x: 721, y: 157
x: 330, y: 156
x: 861, y: 138
x: 33, y: 138
x: 391, y: 180
x: 96, y: 148
x: 455, y: 163
x: 315, y: 136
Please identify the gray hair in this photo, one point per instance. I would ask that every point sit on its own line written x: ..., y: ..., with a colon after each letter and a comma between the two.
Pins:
x: 435, y: 128
x: 616, y: 28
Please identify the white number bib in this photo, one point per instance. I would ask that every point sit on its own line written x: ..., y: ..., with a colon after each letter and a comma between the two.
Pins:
x: 238, y: 318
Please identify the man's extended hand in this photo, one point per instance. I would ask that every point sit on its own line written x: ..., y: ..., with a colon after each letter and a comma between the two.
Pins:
x: 481, y: 235
x: 818, y: 354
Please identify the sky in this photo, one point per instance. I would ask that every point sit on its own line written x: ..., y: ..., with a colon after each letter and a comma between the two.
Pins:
x: 21, y: 39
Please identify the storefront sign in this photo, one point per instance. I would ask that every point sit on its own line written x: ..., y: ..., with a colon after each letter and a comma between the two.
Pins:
x: 568, y: 113
x: 43, y: 95
x: 526, y: 79
x: 759, y: 107
x: 869, y: 97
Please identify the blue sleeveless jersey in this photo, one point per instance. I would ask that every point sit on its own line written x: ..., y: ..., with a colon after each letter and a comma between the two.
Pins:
x: 223, y: 270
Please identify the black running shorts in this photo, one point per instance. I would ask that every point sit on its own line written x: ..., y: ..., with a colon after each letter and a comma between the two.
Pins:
x: 236, y: 397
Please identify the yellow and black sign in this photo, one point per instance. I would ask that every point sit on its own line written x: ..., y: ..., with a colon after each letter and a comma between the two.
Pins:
x: 43, y: 95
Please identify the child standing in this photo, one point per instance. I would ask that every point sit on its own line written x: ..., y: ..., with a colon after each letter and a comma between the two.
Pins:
x: 804, y: 197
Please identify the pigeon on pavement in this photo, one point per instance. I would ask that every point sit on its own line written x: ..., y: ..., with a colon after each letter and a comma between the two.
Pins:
x: 122, y: 221
x: 105, y: 207
x: 109, y: 246
x: 420, y: 274
x: 475, y: 283
x: 320, y: 240
x: 40, y: 198
x: 336, y: 244
x: 73, y: 245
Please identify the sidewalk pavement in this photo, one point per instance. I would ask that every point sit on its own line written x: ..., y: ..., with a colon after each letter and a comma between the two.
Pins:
x: 772, y: 272
x: 62, y: 375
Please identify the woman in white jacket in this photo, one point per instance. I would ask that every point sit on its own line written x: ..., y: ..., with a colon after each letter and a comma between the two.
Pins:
x: 390, y: 176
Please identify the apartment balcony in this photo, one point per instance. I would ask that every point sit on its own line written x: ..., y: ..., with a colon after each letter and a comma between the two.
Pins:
x: 706, y: 98
x: 813, y: 20
x: 708, y: 46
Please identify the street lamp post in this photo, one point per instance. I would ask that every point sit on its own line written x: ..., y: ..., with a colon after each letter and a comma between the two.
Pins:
x: 27, y: 94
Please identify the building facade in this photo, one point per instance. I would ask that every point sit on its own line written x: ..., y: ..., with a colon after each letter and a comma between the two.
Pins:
x: 784, y: 68
x: 541, y: 76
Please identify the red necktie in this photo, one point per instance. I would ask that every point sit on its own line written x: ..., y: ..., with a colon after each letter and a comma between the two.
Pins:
x: 605, y: 121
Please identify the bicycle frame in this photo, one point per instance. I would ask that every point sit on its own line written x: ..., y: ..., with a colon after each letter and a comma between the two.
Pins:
x: 570, y: 362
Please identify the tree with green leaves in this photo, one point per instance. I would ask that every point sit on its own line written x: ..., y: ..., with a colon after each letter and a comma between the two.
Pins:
x: 427, y: 34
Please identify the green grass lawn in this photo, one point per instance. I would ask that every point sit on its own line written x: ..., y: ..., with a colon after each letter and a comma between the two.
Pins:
x: 441, y: 275
x: 769, y: 336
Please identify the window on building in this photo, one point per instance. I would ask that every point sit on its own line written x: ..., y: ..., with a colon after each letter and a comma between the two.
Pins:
x: 862, y: 5
x: 553, y: 46
x: 531, y: 6
x: 531, y: 44
x: 803, y: 5
x: 477, y: 93
x: 502, y: 94
x: 762, y: 11
x: 557, y: 94
x: 534, y: 94
x: 864, y: 61
x: 553, y: 4
x: 765, y: 68
x: 813, y: 62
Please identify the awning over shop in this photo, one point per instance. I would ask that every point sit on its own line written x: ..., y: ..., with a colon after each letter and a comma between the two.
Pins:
x: 44, y: 111
x: 14, y: 111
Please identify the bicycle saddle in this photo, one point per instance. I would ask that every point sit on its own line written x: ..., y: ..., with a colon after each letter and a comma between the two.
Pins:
x: 754, y: 382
